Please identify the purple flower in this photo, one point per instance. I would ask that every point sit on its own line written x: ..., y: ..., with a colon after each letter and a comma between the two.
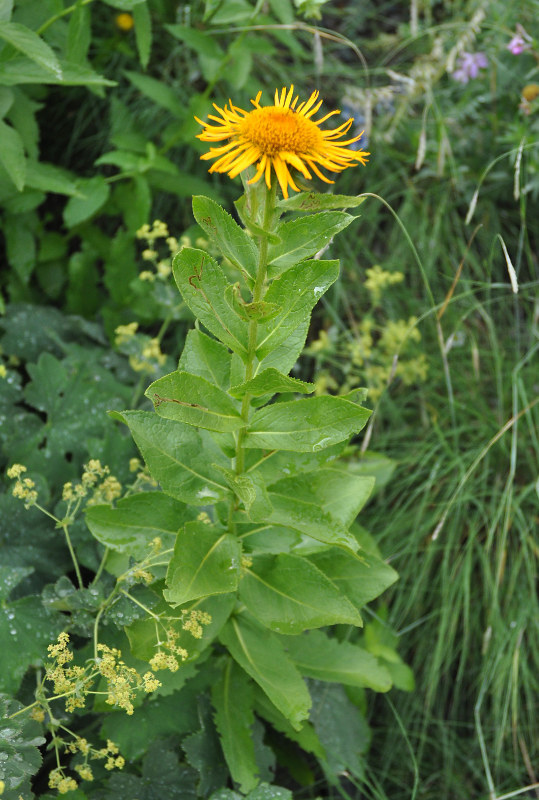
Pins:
x: 468, y: 66
x: 517, y: 45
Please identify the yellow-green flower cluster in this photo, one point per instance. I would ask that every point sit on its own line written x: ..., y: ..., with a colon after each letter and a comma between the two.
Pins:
x: 63, y: 783
x: 379, y: 279
x: 169, y: 651
x: 97, y: 480
x: 162, y: 266
x: 24, y: 488
x: 123, y: 682
x: 144, y: 353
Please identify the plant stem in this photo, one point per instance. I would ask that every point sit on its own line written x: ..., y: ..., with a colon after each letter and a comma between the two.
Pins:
x: 257, y: 296
x: 73, y: 556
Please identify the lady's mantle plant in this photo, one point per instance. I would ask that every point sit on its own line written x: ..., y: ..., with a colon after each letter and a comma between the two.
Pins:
x: 257, y: 546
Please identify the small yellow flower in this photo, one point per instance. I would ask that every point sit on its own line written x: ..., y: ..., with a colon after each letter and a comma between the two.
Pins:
x: 124, y: 22
x: 530, y: 92
x: 278, y: 137
x: 3, y: 371
x: 16, y: 470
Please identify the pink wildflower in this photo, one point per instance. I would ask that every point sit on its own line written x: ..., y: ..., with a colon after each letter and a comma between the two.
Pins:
x: 468, y: 66
x: 518, y: 45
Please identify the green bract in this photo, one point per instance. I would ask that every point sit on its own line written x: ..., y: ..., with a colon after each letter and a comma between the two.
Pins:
x: 255, y: 508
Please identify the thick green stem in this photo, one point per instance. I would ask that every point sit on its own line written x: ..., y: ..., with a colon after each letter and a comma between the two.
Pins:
x: 258, y: 295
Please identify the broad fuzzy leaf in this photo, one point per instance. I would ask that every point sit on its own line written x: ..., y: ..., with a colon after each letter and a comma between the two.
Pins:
x: 136, y: 520
x: 269, y: 382
x: 207, y: 358
x: 188, y: 398
x: 262, y: 656
x: 232, y: 240
x: 179, y: 457
x: 361, y: 578
x: 313, y: 201
x: 317, y: 655
x: 206, y: 561
x: 288, y: 596
x: 305, y: 425
x: 232, y: 699
x: 203, y: 284
x: 296, y: 292
x: 302, y: 238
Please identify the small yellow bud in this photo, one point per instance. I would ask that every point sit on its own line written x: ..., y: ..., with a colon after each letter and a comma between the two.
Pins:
x: 124, y: 22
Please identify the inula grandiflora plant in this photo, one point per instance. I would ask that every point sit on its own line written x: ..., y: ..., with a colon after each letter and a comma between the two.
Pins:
x: 244, y: 549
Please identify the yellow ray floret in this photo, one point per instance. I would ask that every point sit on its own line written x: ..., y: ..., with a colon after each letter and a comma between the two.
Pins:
x: 279, y: 137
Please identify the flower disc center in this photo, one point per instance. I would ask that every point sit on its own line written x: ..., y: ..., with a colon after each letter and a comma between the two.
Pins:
x: 273, y: 130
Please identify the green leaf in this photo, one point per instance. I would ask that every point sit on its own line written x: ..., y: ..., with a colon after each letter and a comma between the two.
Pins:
x: 233, y: 241
x: 124, y: 5
x: 335, y: 489
x: 341, y: 728
x: 266, y: 792
x: 232, y: 699
x: 20, y: 738
x: 10, y: 577
x: 48, y: 178
x: 305, y: 425
x: 262, y: 656
x: 191, y: 399
x: 309, y: 519
x: 288, y: 596
x: 285, y: 355
x: 320, y: 656
x: 270, y: 381
x: 361, y: 578
x: 203, y: 751
x: 79, y: 34
x: 6, y: 9
x: 26, y: 628
x: 180, y: 458
x: 206, y: 561
x: 297, y: 292
x: 207, y: 358
x: 202, y: 43
x: 143, y: 32
x: 285, y: 462
x: 306, y: 737
x: 159, y: 92
x: 136, y: 521
x: 203, y: 284
x: 302, y: 238
x: 314, y: 201
x: 12, y: 155
x: 94, y: 194
x: 28, y: 42
x: 24, y: 70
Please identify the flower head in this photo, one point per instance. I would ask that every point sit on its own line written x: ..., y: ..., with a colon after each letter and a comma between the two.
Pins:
x: 468, y: 66
x: 278, y: 137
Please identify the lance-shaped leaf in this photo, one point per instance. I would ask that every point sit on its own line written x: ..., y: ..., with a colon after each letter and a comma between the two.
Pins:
x: 310, y: 519
x: 285, y: 355
x: 272, y: 467
x: 206, y: 358
x: 288, y: 596
x: 302, y: 238
x: 182, y: 459
x: 314, y: 201
x: 336, y: 490
x: 305, y: 425
x: 361, y: 578
x: 271, y: 381
x: 136, y: 521
x: 206, y: 561
x: 317, y: 655
x: 232, y: 698
x: 194, y: 400
x: 297, y: 292
x: 260, y: 653
x: 233, y: 242
x: 203, y: 285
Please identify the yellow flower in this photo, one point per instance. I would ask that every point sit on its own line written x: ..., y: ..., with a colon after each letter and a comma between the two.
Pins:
x: 279, y: 137
x: 125, y: 22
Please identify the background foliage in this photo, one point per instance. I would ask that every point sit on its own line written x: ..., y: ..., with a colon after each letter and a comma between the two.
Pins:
x: 97, y: 139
